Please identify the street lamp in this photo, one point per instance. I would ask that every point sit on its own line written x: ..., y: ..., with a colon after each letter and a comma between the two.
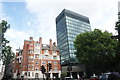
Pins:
x: 43, y: 70
x: 69, y: 65
x: 69, y: 68
x: 60, y: 60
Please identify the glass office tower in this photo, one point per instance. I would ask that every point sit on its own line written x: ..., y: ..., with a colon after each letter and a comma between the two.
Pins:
x: 68, y: 25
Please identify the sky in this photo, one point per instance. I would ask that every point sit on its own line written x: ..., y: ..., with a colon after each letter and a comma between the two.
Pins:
x: 36, y: 18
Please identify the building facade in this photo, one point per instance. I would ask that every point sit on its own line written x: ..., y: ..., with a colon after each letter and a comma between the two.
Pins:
x: 68, y: 25
x: 35, y: 54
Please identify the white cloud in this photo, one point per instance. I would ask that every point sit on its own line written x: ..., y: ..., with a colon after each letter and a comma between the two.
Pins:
x: 102, y: 15
x: 16, y: 38
x: 11, y: 34
x: 29, y: 23
x: 1, y: 9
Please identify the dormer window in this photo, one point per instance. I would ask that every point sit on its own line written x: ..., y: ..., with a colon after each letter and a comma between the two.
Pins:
x: 36, y: 55
x: 30, y: 51
x: 54, y: 57
x: 46, y: 51
x: 54, y: 51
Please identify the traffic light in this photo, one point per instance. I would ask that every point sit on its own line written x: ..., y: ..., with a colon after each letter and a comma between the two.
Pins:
x: 43, y: 70
x: 49, y: 66
x: 69, y: 68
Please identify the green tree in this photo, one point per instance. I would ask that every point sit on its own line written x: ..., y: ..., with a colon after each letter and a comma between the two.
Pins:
x: 63, y: 75
x: 7, y: 53
x: 117, y: 27
x: 96, y: 49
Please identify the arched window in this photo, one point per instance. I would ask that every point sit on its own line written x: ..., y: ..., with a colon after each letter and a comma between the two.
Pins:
x: 36, y: 75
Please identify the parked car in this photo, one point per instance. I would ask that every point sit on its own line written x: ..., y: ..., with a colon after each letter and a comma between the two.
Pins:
x: 94, y: 78
x: 68, y: 78
x: 110, y: 76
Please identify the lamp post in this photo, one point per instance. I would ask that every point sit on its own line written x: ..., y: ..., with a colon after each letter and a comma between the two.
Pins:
x: 60, y: 60
x: 43, y: 70
x: 117, y: 27
x: 69, y: 68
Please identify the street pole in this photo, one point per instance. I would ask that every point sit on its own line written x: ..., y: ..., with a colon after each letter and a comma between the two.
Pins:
x: 43, y: 76
x: 60, y: 60
x: 47, y: 71
x: 117, y: 27
x: 69, y: 68
x: 118, y: 24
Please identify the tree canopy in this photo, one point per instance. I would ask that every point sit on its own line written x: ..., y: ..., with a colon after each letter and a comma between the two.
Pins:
x: 7, y: 53
x: 96, y: 49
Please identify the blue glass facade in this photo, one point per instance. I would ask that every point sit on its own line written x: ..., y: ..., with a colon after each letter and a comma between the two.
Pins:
x: 68, y: 26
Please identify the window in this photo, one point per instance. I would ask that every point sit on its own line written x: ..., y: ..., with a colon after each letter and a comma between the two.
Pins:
x: 36, y: 75
x: 36, y: 55
x: 46, y: 57
x: 43, y: 62
x: 28, y: 66
x: 53, y: 51
x: 31, y: 47
x: 32, y: 73
x: 45, y: 51
x: 37, y: 44
x: 55, y: 62
x: 29, y: 74
x: 37, y: 50
x: 11, y: 70
x: 55, y: 68
x: 20, y: 58
x: 17, y: 70
x: 31, y: 44
x: 32, y: 66
x: 30, y: 59
x: 30, y: 51
x: 54, y: 57
x: 37, y: 62
x: 36, y: 68
x: 49, y: 62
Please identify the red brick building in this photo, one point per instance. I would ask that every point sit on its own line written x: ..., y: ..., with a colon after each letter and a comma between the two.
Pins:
x: 35, y: 54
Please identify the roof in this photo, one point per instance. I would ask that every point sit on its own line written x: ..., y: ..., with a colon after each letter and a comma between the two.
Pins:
x: 72, y: 14
x: 47, y: 47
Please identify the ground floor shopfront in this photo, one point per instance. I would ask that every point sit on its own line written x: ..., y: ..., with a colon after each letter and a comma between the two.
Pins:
x: 37, y: 75
x: 76, y: 71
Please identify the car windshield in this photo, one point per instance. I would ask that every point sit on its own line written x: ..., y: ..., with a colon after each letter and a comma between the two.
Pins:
x: 104, y: 76
x: 109, y: 75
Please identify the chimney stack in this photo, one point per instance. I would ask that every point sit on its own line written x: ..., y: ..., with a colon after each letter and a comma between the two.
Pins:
x: 50, y: 44
x: 31, y: 38
x: 40, y: 40
x: 54, y: 44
